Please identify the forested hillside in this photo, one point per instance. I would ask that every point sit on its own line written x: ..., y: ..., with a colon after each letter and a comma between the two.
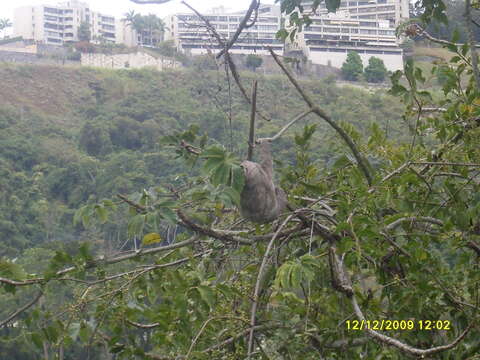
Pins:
x: 70, y: 136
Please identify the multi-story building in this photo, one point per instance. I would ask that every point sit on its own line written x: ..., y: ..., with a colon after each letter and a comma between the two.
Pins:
x: 190, y: 35
x: 329, y: 38
x: 392, y: 10
x: 60, y: 24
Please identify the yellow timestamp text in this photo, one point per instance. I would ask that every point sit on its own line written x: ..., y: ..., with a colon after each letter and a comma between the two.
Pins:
x: 398, y: 325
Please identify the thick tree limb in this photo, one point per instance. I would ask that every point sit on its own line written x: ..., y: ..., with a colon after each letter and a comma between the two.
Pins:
x: 315, y: 109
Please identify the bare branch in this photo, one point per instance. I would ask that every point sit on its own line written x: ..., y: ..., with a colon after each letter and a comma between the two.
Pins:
x: 209, y: 232
x: 421, y: 31
x: 251, y: 136
x: 243, y: 24
x: 286, y: 127
x: 142, y: 326
x: 228, y: 58
x: 413, y: 220
x: 315, y: 109
x: 22, y: 309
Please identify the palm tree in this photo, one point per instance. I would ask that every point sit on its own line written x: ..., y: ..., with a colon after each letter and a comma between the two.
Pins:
x: 155, y: 27
x: 4, y: 24
x: 133, y: 20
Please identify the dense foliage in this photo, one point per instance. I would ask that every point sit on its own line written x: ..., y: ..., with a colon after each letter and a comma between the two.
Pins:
x: 382, y: 227
x: 352, y: 68
x: 375, y: 71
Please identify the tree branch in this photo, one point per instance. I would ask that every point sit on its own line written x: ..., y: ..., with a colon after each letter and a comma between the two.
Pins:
x: 243, y: 24
x: 251, y: 135
x: 315, y: 109
x: 22, y: 309
x: 286, y: 127
x: 228, y: 59
x: 257, y: 285
x: 209, y: 232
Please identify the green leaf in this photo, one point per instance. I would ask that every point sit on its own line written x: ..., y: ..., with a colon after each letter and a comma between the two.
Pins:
x: 102, y: 214
x: 135, y: 225
x: 207, y: 295
x: 37, y: 339
x: 151, y: 238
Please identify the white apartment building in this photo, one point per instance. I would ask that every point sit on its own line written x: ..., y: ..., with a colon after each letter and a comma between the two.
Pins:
x: 190, y: 35
x: 329, y: 38
x: 59, y: 24
x: 395, y: 11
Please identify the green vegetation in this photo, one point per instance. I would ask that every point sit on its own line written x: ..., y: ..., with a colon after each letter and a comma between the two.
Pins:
x: 352, y: 68
x: 253, y: 62
x: 84, y: 32
x: 149, y: 28
x: 375, y: 72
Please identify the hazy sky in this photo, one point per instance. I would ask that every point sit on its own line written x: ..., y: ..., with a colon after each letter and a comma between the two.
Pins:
x: 119, y: 7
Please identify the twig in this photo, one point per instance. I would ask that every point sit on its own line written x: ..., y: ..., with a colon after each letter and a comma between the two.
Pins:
x: 209, y: 232
x: 22, y: 309
x: 228, y: 59
x: 192, y: 345
x: 314, y: 108
x: 413, y: 220
x: 257, y: 285
x: 286, y: 127
x: 142, y: 326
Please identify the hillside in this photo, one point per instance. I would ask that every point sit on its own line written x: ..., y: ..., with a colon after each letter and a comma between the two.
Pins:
x: 72, y: 135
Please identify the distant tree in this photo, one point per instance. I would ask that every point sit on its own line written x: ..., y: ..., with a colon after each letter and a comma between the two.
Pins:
x: 352, y: 68
x: 149, y: 28
x: 376, y: 71
x: 254, y: 62
x: 5, y: 24
x: 84, y: 32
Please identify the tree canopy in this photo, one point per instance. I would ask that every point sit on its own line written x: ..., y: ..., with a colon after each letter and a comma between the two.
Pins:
x: 352, y: 68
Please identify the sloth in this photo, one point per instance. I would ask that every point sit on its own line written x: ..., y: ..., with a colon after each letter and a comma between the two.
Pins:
x: 261, y: 201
